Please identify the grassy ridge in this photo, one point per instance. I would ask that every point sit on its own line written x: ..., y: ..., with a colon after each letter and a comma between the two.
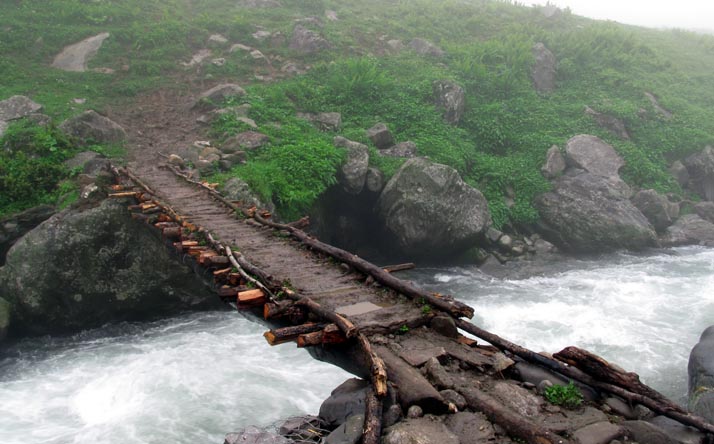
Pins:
x: 499, y: 145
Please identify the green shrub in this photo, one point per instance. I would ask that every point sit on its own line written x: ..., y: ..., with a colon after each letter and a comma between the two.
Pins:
x: 568, y: 396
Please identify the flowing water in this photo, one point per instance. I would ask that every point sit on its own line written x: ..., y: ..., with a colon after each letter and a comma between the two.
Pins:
x: 192, y: 378
x: 644, y: 313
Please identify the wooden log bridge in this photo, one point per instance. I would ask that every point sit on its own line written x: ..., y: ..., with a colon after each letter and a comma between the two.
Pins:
x: 401, y: 338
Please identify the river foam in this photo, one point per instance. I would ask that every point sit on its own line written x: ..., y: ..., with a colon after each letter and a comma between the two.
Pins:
x: 188, y: 379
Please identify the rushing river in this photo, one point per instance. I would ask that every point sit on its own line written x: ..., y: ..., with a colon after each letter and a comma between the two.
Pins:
x: 190, y: 379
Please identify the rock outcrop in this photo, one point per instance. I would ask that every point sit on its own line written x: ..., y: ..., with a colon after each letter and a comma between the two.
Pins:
x: 554, y: 163
x: 307, y: 41
x: 589, y: 207
x: 212, y: 98
x: 81, y: 269
x: 657, y: 208
x: 689, y: 229
x: 91, y: 127
x: 701, y: 376
x: 17, y: 107
x: 451, y: 98
x: 705, y: 210
x: 16, y: 226
x: 76, y: 56
x: 380, y: 135
x: 429, y: 209
x: 353, y: 173
x: 700, y: 167
x: 544, y: 69
x: 608, y: 122
x: 236, y: 189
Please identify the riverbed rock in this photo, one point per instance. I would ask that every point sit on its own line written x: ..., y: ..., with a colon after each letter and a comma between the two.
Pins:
x: 91, y: 127
x: 518, y: 399
x: 554, y: 163
x: 254, y: 435
x: 14, y: 227
x: 212, y: 98
x: 587, y: 212
x: 657, y: 208
x: 426, y: 48
x: 4, y: 318
x: 346, y: 400
x: 701, y: 376
x: 75, y: 57
x: 17, y: 107
x: 449, y: 97
x: 348, y: 433
x: 705, y: 210
x: 599, y: 433
x: 608, y: 122
x: 593, y: 155
x: 110, y: 268
x: 645, y: 432
x: 428, y: 208
x: 426, y: 430
x: 302, y: 428
x: 471, y: 428
x: 544, y: 69
x: 380, y: 135
x: 353, y: 173
x: 700, y: 167
x: 681, y: 433
x: 689, y: 229
x: 307, y: 41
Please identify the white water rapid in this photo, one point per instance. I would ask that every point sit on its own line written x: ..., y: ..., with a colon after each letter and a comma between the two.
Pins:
x: 193, y: 378
x: 644, y: 313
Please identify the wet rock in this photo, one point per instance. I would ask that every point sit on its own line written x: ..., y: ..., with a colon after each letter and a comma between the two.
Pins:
x: 544, y: 69
x: 254, y: 435
x: 415, y: 412
x: 608, y: 122
x: 554, y: 163
x: 426, y: 48
x: 700, y: 167
x: 381, y: 137
x: 517, y: 399
x: 428, y: 207
x: 471, y: 428
x: 391, y: 415
x: 374, y: 182
x: 353, y: 173
x: 644, y: 432
x: 17, y: 107
x: 657, y: 208
x: 620, y: 407
x: 588, y: 212
x: 419, y: 431
x: 591, y: 154
x: 701, y: 376
x: 451, y: 98
x: 4, y: 318
x: 247, y: 140
x: 705, y: 210
x: 348, y: 433
x: 302, y: 428
x: 14, y: 227
x: 91, y: 127
x: 444, y: 325
x: 438, y: 375
x: 681, y: 433
x: 406, y: 149
x: 689, y: 229
x: 212, y: 98
x: 419, y: 356
x: 573, y: 419
x: 454, y: 397
x: 76, y: 56
x: 599, y: 433
x: 346, y: 400
x: 307, y: 41
x: 679, y: 171
x: 112, y: 268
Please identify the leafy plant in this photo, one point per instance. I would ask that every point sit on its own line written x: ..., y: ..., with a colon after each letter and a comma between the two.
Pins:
x: 404, y: 329
x: 568, y: 396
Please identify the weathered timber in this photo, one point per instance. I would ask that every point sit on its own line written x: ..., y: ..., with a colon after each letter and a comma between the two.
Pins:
x: 226, y: 291
x: 286, y: 334
x: 251, y: 297
x: 222, y: 272
x: 345, y: 325
x: 399, y: 267
x: 217, y: 261
x: 310, y: 339
x: 372, y: 429
x: 123, y: 195
x: 413, y: 388
x: 578, y: 375
x: 378, y: 369
x: 172, y: 232
x: 515, y: 424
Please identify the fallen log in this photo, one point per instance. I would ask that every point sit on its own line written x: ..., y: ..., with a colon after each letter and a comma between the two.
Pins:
x: 372, y: 429
x: 345, y: 325
x: 251, y: 298
x: 123, y: 195
x: 378, y: 369
x: 286, y: 334
x: 310, y: 339
x: 515, y: 424
x: 578, y: 375
x: 399, y: 267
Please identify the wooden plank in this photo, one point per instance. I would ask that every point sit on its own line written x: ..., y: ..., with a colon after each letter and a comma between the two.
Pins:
x: 251, y: 297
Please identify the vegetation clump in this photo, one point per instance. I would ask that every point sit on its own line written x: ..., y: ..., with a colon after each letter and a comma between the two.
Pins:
x: 568, y: 396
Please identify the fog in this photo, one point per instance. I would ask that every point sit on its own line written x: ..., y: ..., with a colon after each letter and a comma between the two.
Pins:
x: 688, y: 14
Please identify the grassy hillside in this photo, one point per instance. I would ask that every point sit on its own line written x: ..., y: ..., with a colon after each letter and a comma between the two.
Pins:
x: 499, y: 145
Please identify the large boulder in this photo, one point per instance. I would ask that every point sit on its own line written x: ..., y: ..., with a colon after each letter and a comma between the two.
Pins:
x: 75, y: 57
x: 689, y: 229
x: 81, y: 269
x: 425, y: 430
x: 248, y: 140
x: 588, y: 212
x: 451, y: 98
x: 701, y: 376
x: 17, y: 107
x: 608, y: 122
x: 700, y: 167
x: 346, y: 400
x: 353, y: 174
x: 4, y: 318
x: 544, y: 69
x: 657, y: 208
x: 380, y: 135
x: 254, y: 435
x: 591, y: 154
x: 427, y: 207
x: 554, y: 163
x: 307, y: 41
x: 212, y: 98
x: 705, y: 210
x: 91, y: 127
x: 14, y: 227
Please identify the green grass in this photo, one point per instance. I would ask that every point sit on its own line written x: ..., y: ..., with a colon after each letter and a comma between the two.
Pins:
x: 500, y: 143
x: 568, y: 396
